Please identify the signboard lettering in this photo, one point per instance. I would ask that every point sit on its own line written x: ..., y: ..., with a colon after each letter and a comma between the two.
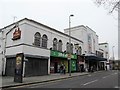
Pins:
x: 63, y: 55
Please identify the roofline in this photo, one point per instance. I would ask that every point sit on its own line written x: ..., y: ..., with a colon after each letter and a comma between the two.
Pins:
x: 42, y: 25
x: 75, y: 27
x: 103, y: 43
x: 13, y: 23
x: 53, y: 29
x: 90, y: 29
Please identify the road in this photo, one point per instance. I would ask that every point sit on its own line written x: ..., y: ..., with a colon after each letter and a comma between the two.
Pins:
x: 103, y: 79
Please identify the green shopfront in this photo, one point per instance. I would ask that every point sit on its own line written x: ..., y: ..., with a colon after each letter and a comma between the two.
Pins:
x: 60, y: 58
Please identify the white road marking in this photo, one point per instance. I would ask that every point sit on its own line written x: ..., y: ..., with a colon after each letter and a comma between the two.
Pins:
x: 90, y: 82
x: 115, y: 73
x: 89, y: 75
x: 109, y: 75
x: 116, y: 87
x: 104, y: 77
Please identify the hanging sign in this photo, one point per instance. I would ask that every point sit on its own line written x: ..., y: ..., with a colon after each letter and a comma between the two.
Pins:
x: 16, y: 34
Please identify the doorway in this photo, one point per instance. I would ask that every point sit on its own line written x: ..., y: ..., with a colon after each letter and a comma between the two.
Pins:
x: 55, y: 67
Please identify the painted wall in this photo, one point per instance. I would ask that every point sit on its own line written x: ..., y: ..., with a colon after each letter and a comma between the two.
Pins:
x: 25, y: 43
x: 51, y: 34
x: 82, y: 33
x: 105, y: 48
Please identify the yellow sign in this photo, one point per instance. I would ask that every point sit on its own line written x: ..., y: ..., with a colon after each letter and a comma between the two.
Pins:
x: 18, y: 62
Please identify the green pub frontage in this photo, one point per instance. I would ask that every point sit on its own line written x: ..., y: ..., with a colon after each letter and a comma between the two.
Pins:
x: 60, y: 58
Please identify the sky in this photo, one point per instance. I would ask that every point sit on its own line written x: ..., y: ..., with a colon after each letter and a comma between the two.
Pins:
x: 55, y: 13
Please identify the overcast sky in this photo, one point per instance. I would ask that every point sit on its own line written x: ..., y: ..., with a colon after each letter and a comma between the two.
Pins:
x: 55, y: 13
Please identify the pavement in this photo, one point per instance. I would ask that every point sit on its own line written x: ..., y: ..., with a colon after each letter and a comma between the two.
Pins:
x: 8, y: 81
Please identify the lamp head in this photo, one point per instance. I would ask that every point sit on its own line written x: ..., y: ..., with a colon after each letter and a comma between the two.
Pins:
x: 71, y: 15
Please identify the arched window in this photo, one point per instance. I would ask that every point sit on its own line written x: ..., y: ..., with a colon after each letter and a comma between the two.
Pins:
x: 44, y: 41
x: 67, y: 47
x: 60, y: 45
x: 55, y: 44
x: 71, y: 48
x: 37, y: 38
x: 79, y: 50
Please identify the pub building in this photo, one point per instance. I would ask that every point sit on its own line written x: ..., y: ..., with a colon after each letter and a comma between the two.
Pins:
x: 42, y: 47
x: 45, y: 48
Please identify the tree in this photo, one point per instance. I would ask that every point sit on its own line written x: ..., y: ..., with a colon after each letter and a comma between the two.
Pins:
x: 111, y: 5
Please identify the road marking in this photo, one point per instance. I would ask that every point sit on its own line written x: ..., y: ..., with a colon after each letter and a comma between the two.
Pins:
x: 109, y: 75
x: 36, y: 84
x: 116, y: 87
x: 106, y: 76
x: 115, y: 73
x: 90, y: 82
x: 89, y: 75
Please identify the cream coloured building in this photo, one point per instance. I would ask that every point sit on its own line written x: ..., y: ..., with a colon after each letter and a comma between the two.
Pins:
x: 36, y: 42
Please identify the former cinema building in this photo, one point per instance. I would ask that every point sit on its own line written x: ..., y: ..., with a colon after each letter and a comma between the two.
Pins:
x: 45, y: 48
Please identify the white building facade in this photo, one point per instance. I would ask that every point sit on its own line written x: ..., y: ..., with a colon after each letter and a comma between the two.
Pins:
x: 36, y: 41
x: 87, y: 35
x: 104, y: 49
x: 91, y: 46
x: 45, y: 49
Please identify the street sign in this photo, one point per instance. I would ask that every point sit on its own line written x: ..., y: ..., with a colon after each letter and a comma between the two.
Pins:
x: 69, y: 56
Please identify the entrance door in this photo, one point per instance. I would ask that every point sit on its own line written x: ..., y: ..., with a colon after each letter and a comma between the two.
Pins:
x: 55, y: 67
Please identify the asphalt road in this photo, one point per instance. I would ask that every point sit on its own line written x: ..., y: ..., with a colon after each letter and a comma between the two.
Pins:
x: 103, y: 79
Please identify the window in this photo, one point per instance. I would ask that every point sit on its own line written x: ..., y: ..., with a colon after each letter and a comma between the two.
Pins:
x: 37, y: 38
x: 44, y: 41
x: 105, y: 46
x: 67, y: 47
x: 55, y: 44
x: 71, y: 48
x: 80, y: 50
x: 60, y: 45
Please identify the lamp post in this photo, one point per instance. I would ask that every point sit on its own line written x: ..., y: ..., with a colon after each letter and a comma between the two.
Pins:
x: 113, y: 52
x: 69, y: 58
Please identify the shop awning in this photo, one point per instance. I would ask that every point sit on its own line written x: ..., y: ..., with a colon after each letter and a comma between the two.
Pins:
x: 95, y: 58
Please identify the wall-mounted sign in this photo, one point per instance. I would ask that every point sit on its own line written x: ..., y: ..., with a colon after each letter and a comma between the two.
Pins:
x: 62, y: 55
x: 16, y: 34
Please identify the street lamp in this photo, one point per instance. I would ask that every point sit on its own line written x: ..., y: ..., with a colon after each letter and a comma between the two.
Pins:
x: 113, y: 51
x: 70, y: 44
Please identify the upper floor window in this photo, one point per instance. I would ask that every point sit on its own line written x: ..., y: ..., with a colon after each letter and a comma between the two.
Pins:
x: 67, y: 47
x: 71, y: 48
x: 79, y: 50
x: 37, y: 38
x: 60, y: 45
x: 44, y: 41
x: 55, y: 44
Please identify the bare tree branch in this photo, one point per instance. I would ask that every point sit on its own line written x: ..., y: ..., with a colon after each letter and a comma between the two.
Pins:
x: 112, y: 5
